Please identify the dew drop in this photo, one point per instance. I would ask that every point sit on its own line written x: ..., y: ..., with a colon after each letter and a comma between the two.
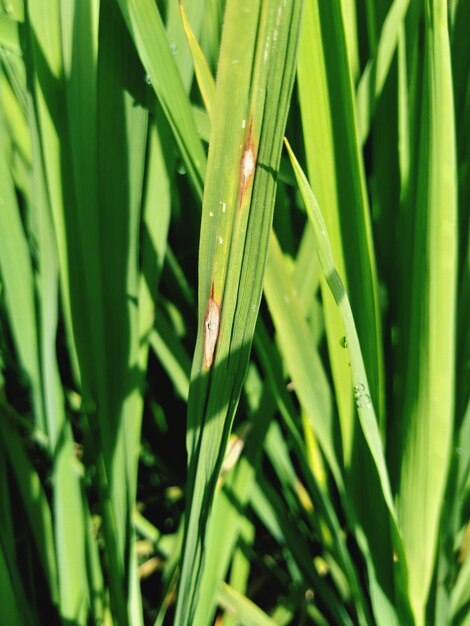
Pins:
x: 147, y: 79
x: 220, y: 240
x: 359, y: 389
x: 181, y: 169
x: 243, y: 123
x: 459, y: 451
x: 343, y: 342
x: 224, y: 206
x: 174, y: 48
x: 363, y: 401
x: 211, y: 214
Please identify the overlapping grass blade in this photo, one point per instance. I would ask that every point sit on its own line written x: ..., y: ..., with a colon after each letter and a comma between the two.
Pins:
x: 150, y: 38
x: 236, y: 220
x: 242, y: 609
x: 227, y: 516
x: 9, y: 34
x: 71, y: 513
x: 337, y: 174
x: 18, y: 281
x: 301, y: 357
x: 376, y: 71
x: 272, y: 512
x: 35, y: 502
x: 97, y: 248
x: 384, y: 591
x: 175, y: 28
x: 100, y: 125
x: 203, y: 73
x: 331, y: 148
x: 429, y: 383
x: 50, y: 414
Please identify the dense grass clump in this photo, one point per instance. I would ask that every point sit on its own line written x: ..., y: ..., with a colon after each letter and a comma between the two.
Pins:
x: 234, y: 304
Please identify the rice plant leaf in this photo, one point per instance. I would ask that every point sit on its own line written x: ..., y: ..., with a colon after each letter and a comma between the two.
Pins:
x: 301, y: 357
x: 12, y: 576
x: 203, y: 73
x: 241, y: 566
x: 18, y: 280
x: 227, y: 516
x: 269, y: 507
x: 9, y: 34
x: 460, y: 596
x: 171, y: 355
x: 14, y: 111
x: 194, y: 11
x: 376, y: 71
x: 270, y: 360
x: 16, y: 611
x: 335, y: 170
x: 103, y: 149
x: 156, y: 220
x: 429, y: 382
x: 244, y: 157
x: 147, y: 29
x: 69, y: 506
x: 335, y: 164
x: 244, y: 610
x: 362, y: 395
x: 211, y: 31
x: 122, y: 143
x: 34, y: 501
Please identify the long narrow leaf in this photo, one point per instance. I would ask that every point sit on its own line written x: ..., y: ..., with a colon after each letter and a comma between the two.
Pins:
x: 237, y: 212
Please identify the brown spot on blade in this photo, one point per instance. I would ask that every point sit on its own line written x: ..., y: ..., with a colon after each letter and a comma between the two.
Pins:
x: 211, y: 330
x: 248, y: 163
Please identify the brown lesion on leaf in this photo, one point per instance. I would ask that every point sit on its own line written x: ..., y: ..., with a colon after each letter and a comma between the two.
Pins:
x: 248, y: 163
x: 211, y: 330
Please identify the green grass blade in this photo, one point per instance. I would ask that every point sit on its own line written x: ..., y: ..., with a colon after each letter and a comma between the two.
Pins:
x: 9, y: 593
x: 70, y: 509
x: 234, y: 236
x: 273, y: 513
x: 9, y: 34
x: 376, y: 71
x: 227, y: 516
x: 335, y: 170
x: 201, y: 67
x: 243, y: 610
x: 364, y: 404
x: 460, y: 597
x: 148, y: 32
x: 429, y: 381
x: 156, y: 218
x: 301, y: 357
x: 241, y: 566
x: 211, y: 31
x: 34, y: 501
x: 172, y: 356
x: 18, y: 280
x: 195, y: 10
x: 12, y: 576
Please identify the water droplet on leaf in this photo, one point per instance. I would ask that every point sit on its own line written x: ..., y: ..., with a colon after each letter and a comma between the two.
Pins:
x: 363, y: 401
x: 359, y: 389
